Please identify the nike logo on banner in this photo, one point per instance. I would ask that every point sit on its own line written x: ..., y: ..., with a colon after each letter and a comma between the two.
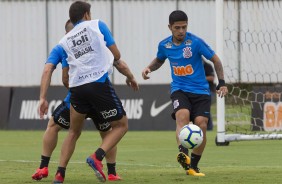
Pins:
x: 157, y: 110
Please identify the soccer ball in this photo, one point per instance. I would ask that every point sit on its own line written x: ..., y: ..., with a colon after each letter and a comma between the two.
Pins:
x: 191, y: 136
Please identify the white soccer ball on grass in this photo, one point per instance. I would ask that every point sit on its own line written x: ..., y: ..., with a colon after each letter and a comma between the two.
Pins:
x: 191, y: 136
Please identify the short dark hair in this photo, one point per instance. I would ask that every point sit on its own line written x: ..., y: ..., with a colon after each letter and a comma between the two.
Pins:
x: 68, y: 25
x: 177, y: 15
x: 77, y: 10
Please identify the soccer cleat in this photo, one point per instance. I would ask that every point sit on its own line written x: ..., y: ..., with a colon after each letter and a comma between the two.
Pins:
x: 97, y: 167
x: 40, y: 173
x: 194, y: 172
x: 59, y: 179
x: 184, y: 160
x: 113, y: 177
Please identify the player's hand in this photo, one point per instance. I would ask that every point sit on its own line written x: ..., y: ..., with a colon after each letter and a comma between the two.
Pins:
x: 221, y: 88
x: 42, y: 108
x: 222, y: 91
x: 145, y: 73
x: 132, y: 83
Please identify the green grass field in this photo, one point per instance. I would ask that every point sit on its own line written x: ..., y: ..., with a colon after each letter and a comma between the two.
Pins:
x: 144, y: 157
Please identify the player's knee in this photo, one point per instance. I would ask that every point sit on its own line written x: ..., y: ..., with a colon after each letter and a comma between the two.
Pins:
x: 180, y: 124
x: 74, y: 134
x: 203, y: 125
x: 182, y: 117
x: 53, y: 127
x: 202, y: 122
x: 121, y: 124
x: 125, y: 123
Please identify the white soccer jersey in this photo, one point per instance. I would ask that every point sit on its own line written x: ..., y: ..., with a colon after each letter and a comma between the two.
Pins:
x: 88, y: 56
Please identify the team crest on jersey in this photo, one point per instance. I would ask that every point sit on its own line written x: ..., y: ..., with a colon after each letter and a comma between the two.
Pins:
x: 175, y: 104
x: 168, y: 45
x: 188, y: 42
x: 187, y: 53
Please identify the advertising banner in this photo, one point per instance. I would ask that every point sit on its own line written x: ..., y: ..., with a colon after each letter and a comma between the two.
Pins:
x: 267, y: 108
x: 149, y: 108
x: 24, y: 114
x: 5, y: 100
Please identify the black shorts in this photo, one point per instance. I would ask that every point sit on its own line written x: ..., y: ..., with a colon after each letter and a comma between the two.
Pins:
x: 197, y: 104
x: 61, y: 117
x: 100, y: 124
x: 98, y: 100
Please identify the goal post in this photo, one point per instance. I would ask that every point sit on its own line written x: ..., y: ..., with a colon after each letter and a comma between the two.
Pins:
x: 220, y: 102
x: 249, y: 42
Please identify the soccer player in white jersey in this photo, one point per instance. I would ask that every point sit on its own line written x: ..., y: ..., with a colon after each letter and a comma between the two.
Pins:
x: 190, y: 93
x: 61, y: 116
x: 91, y: 51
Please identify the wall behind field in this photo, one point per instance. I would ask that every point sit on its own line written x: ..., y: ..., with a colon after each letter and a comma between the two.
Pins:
x: 33, y: 27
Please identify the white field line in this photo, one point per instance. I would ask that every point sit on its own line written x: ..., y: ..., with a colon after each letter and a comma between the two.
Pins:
x: 150, y: 165
x: 79, y: 162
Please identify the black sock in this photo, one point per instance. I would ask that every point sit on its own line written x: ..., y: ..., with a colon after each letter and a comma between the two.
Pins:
x: 195, y: 160
x: 183, y: 149
x: 100, y: 154
x: 44, y: 161
x: 62, y: 170
x: 111, y: 168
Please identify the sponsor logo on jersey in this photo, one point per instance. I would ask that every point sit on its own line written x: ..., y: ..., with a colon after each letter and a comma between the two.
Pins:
x: 183, y: 70
x: 77, y: 34
x: 81, y: 40
x: 29, y: 109
x: 188, y: 42
x: 90, y: 75
x: 83, y: 51
x: 168, y: 45
x: 187, y: 53
x: 80, y: 43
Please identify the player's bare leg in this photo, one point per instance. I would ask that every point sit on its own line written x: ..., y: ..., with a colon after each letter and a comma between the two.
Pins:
x: 50, y: 139
x: 111, y: 160
x: 68, y: 146
x: 197, y: 152
x: 119, y: 128
x: 182, y: 118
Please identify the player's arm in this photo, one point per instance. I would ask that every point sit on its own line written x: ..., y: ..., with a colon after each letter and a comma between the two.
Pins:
x: 218, y: 67
x: 221, y: 87
x: 210, y: 78
x: 65, y: 69
x: 115, y: 51
x: 45, y: 83
x: 109, y: 39
x: 65, y: 77
x: 123, y: 68
x: 209, y: 72
x: 119, y: 64
x: 50, y: 65
x: 154, y: 65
